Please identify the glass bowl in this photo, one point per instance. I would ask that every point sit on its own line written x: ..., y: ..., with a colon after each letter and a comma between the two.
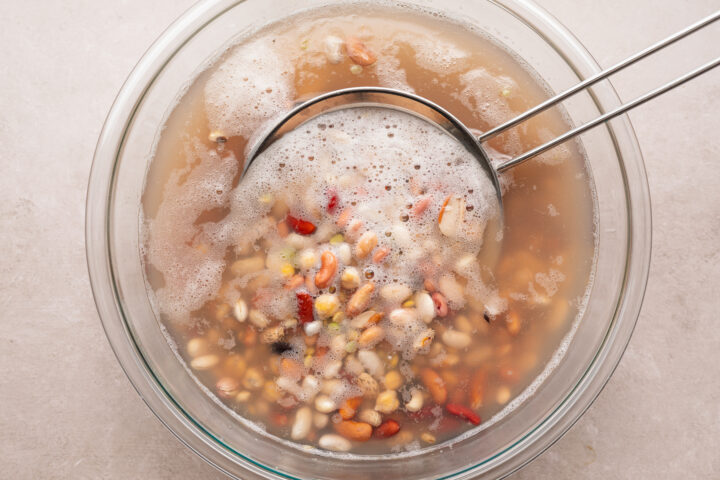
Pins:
x: 116, y: 271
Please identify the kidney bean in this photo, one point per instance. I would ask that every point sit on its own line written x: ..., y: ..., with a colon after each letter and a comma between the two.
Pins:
x: 387, y: 429
x: 303, y: 227
x: 463, y: 412
x: 305, y: 307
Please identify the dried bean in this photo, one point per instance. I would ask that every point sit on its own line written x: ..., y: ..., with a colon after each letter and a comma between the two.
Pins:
x: 327, y: 270
x: 357, y: 431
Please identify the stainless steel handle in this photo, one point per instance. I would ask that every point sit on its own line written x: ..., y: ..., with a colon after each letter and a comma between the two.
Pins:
x: 596, y: 78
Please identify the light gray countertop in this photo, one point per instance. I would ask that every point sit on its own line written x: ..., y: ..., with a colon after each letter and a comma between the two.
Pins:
x: 68, y: 411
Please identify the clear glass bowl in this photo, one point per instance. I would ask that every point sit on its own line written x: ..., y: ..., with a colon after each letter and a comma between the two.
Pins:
x: 112, y: 232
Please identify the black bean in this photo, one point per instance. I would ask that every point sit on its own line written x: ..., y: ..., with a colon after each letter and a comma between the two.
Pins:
x: 280, y: 347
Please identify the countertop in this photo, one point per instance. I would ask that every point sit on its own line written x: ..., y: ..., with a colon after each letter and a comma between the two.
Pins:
x: 68, y: 411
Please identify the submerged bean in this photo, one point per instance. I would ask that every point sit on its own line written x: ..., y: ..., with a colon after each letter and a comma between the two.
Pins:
x: 395, y: 292
x: 333, y: 47
x: 227, y: 387
x: 434, y: 384
x: 253, y: 379
x: 320, y: 420
x: 258, y: 318
x: 371, y: 362
x: 416, y: 401
x: 371, y: 417
x: 197, y: 346
x: 301, y: 425
x: 367, y: 384
x: 204, y: 362
x: 324, y: 404
x: 393, y: 380
x: 424, y: 306
x: 245, y: 266
x: 387, y: 401
x: 240, y: 310
x: 365, y: 244
x: 456, y: 339
x: 357, y: 431
x: 371, y: 336
x: 335, y: 443
x: 360, y: 299
x: 326, y: 305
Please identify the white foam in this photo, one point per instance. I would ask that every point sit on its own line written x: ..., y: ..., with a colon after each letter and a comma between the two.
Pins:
x: 249, y: 87
x: 482, y: 95
x: 378, y: 161
x: 191, y: 264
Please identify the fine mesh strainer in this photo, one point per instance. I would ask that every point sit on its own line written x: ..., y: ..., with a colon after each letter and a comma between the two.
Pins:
x: 438, y: 117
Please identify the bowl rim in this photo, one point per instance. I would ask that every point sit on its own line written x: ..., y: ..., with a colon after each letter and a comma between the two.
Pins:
x: 212, y: 450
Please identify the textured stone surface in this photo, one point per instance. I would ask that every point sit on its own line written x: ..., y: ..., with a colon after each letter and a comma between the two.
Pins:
x: 66, y: 408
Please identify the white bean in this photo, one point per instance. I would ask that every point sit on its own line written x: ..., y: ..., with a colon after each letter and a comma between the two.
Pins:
x: 289, y: 385
x: 403, y: 317
x: 333, y: 47
x: 197, y: 346
x: 331, y: 387
x: 416, y: 401
x: 310, y: 387
x: 320, y: 420
x: 424, y: 306
x: 333, y: 442
x: 204, y: 362
x: 240, y: 310
x: 467, y: 265
x: 337, y: 344
x: 452, y: 290
x: 258, y: 318
x: 313, y: 328
x: 503, y: 395
x: 395, y: 292
x: 463, y: 324
x: 301, y: 426
x: 324, y: 404
x: 353, y: 365
x: 371, y: 362
x: 451, y: 216
x: 424, y: 340
x: 332, y: 369
x: 344, y: 253
x: 456, y: 339
x: 299, y: 242
x: 307, y: 259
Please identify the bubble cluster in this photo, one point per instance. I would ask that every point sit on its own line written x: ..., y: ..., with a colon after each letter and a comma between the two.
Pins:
x: 192, y: 268
x: 248, y: 87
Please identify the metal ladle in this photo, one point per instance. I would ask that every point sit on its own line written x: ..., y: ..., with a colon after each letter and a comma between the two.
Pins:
x: 439, y: 117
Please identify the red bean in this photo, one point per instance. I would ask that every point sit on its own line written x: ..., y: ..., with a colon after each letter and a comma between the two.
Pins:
x: 463, y: 412
x: 305, y: 307
x: 387, y: 429
x: 303, y: 227
x: 333, y: 201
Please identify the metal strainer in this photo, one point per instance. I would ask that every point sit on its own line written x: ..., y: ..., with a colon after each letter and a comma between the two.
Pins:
x: 441, y: 118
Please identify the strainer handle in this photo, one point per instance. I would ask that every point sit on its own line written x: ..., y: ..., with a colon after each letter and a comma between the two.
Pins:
x: 596, y: 78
